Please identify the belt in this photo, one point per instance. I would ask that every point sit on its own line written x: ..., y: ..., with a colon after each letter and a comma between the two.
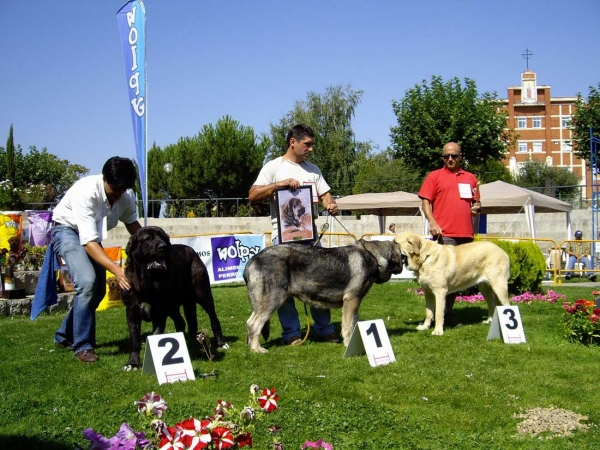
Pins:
x: 55, y: 224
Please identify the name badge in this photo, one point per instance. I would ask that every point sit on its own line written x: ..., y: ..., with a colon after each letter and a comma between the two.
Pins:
x: 464, y: 189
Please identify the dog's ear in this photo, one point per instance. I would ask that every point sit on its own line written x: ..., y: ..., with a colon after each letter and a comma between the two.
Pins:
x: 164, y: 236
x: 415, y: 242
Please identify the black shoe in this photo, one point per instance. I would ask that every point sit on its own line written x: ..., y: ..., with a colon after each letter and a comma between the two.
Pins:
x: 64, y: 344
x: 568, y: 277
x: 294, y: 340
x: 332, y: 338
x: 592, y: 277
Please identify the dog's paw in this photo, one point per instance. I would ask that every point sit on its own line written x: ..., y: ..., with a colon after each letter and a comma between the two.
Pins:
x: 259, y: 350
x: 224, y: 346
x: 422, y: 327
x: 129, y: 368
x: 437, y: 332
x: 488, y: 321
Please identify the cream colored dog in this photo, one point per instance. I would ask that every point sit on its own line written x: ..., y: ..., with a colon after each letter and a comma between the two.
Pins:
x: 443, y: 269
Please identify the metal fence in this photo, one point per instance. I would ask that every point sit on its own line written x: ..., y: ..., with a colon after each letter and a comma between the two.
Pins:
x: 241, y: 207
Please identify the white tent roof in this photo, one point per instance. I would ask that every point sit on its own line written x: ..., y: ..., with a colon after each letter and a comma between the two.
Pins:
x: 382, y: 204
x: 500, y: 197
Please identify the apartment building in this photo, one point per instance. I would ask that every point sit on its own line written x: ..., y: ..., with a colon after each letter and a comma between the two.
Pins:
x: 541, y: 124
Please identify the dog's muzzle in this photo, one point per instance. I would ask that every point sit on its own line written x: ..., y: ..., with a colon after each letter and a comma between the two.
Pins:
x: 157, y: 265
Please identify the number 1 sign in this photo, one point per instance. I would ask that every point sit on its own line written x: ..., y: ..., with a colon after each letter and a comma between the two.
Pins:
x: 370, y: 337
x: 167, y: 356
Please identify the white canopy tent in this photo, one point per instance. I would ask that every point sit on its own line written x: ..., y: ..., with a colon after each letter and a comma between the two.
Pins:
x: 500, y: 197
x: 382, y: 204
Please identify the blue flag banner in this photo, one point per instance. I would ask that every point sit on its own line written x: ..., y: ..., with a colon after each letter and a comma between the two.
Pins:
x: 132, y: 29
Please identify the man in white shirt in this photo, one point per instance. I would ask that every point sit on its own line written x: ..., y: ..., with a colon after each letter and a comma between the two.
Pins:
x: 291, y: 171
x: 81, y: 220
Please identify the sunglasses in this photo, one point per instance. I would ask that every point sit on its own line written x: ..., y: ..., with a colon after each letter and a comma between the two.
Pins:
x: 451, y: 155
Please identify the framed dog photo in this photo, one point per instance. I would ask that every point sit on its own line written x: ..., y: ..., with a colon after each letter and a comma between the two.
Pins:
x: 295, y: 215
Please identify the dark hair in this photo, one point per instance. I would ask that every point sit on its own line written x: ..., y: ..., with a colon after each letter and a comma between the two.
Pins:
x: 299, y: 132
x: 578, y: 233
x: 120, y: 172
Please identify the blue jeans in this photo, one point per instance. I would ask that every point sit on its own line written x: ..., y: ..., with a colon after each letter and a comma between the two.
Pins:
x: 89, y: 278
x: 587, y: 263
x: 290, y: 322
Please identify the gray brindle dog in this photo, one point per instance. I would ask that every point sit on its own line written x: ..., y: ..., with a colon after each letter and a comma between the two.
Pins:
x: 321, y: 277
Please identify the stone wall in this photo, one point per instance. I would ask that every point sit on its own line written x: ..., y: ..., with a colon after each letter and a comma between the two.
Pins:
x: 548, y: 225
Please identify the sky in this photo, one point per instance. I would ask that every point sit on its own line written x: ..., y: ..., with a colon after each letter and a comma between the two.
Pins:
x: 63, y: 84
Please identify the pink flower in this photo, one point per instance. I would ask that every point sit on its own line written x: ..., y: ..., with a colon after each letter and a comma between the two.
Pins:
x: 318, y: 444
x: 594, y: 318
x: 151, y: 403
x: 195, y: 434
x: 268, y: 400
x: 222, y: 438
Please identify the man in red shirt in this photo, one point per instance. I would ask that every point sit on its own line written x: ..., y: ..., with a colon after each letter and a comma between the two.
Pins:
x: 450, y: 199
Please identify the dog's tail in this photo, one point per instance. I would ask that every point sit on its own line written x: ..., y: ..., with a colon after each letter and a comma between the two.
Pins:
x: 266, y: 330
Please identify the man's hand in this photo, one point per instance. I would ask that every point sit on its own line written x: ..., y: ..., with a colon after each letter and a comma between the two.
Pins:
x: 332, y: 209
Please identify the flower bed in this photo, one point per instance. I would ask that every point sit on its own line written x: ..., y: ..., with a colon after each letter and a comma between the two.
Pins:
x: 581, y: 322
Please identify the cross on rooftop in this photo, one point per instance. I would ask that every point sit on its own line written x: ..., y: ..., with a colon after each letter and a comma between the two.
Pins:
x: 527, y: 55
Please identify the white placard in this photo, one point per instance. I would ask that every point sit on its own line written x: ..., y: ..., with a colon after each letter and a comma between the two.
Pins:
x: 507, y: 325
x: 167, y: 355
x: 370, y: 337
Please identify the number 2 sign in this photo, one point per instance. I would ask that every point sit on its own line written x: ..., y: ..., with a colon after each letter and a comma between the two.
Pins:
x: 507, y: 324
x: 370, y: 337
x: 167, y: 356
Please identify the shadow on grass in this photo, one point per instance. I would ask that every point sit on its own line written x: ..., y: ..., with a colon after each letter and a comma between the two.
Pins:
x: 29, y: 443
x: 194, y: 348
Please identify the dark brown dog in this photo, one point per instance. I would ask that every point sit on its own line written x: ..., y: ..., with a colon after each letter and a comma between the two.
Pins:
x: 164, y: 277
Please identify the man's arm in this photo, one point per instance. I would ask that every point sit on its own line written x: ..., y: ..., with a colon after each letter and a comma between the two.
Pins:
x: 261, y: 193
x: 133, y: 226
x: 329, y: 204
x: 434, y: 228
x: 97, y: 253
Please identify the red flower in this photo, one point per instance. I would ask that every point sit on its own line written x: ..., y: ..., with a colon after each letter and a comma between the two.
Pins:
x: 222, y: 438
x: 268, y: 400
x: 194, y: 433
x: 244, y: 439
x: 594, y: 318
x: 170, y: 439
x: 222, y: 408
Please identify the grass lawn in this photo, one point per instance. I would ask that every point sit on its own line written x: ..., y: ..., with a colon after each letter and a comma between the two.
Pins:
x: 457, y: 391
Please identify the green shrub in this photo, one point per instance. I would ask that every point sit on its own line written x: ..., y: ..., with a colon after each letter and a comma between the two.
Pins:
x: 527, y: 266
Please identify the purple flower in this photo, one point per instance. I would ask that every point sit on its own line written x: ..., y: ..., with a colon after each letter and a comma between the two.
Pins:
x: 97, y: 441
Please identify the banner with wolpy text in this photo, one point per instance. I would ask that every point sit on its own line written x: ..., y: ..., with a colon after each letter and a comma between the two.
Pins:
x: 225, y: 256
x: 132, y: 30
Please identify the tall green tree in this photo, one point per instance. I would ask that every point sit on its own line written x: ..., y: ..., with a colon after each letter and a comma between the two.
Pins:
x: 556, y: 181
x: 383, y: 173
x: 587, y: 116
x: 432, y: 114
x: 10, y: 158
x: 330, y: 115
x: 222, y: 160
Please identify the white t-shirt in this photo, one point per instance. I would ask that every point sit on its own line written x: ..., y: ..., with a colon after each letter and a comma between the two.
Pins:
x: 306, y: 173
x: 86, y: 209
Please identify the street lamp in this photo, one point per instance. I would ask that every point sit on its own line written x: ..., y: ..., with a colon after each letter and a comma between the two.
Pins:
x: 168, y: 167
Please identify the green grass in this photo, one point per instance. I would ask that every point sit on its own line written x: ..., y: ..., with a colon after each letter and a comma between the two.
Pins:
x: 457, y: 391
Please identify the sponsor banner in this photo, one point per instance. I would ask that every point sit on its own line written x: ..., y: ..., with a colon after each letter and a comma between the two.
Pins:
x: 132, y: 30
x: 225, y: 256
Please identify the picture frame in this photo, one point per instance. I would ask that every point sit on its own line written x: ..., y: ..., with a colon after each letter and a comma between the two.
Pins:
x: 295, y: 215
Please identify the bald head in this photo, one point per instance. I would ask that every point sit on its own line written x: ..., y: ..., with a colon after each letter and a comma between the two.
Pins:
x: 451, y: 147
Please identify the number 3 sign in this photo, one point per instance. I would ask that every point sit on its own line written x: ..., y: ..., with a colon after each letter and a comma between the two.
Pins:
x: 507, y: 324
x: 167, y: 356
x: 371, y: 337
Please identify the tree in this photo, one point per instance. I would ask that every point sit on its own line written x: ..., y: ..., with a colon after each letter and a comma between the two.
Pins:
x: 10, y: 158
x: 382, y: 173
x: 220, y: 161
x: 491, y: 170
x: 586, y: 116
x: 557, y: 182
x: 329, y: 115
x: 430, y: 115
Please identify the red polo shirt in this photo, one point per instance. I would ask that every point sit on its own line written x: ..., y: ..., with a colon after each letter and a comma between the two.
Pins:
x: 451, y: 212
